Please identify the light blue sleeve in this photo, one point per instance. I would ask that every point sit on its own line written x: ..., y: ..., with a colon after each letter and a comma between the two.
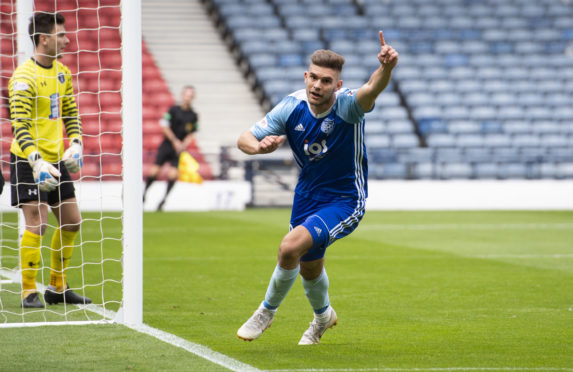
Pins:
x: 274, y: 123
x: 348, y: 107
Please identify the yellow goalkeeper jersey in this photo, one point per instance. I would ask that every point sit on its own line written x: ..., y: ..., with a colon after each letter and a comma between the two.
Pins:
x: 41, y: 99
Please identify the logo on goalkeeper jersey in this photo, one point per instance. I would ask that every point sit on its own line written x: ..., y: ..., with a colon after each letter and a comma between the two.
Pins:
x: 55, y: 106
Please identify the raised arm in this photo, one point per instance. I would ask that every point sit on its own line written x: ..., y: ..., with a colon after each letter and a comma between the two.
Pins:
x: 380, y: 78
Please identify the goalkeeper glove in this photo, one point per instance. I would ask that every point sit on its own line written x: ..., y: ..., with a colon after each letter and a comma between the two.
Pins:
x: 44, y: 173
x: 73, y: 159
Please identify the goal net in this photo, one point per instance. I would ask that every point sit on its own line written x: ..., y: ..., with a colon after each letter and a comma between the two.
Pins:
x: 107, y: 187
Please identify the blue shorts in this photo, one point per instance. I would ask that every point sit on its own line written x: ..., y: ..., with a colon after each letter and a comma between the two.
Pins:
x: 326, y: 221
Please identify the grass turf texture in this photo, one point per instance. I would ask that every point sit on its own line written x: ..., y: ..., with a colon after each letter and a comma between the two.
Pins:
x: 411, y: 289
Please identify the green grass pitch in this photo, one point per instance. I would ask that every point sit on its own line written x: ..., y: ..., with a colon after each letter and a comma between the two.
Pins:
x: 413, y: 291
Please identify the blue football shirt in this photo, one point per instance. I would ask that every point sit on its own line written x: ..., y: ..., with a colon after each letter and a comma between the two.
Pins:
x: 328, y: 148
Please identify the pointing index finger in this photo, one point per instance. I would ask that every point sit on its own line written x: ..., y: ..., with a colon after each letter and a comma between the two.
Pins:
x: 381, y: 35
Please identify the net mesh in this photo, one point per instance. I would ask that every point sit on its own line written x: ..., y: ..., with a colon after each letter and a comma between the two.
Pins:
x: 94, y: 58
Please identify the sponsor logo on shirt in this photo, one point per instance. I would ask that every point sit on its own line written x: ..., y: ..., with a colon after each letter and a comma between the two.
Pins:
x: 55, y: 106
x: 315, y: 150
x: 20, y: 85
x: 299, y: 128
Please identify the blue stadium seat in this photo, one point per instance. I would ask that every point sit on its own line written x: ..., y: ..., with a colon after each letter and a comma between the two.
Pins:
x: 448, y: 99
x: 464, y: 126
x: 262, y: 60
x: 525, y: 140
x: 380, y: 140
x: 416, y: 155
x: 491, y: 126
x: 563, y: 113
x: 506, y: 154
x: 421, y: 98
x: 546, y: 127
x: 513, y: 170
x: 449, y: 155
x: 470, y: 140
x: 456, y: 170
x: 483, y: 113
x: 405, y: 141
x: 425, y: 170
x: 486, y: 170
x: 514, y: 112
x: 432, y: 125
x: 548, y: 170
x: 290, y: 59
x: 374, y: 126
x: 393, y: 170
x: 564, y: 170
x: 497, y: 140
x: 532, y: 154
x: 456, y: 112
x: 394, y: 113
x: 382, y: 155
x: 388, y: 98
x: 403, y: 126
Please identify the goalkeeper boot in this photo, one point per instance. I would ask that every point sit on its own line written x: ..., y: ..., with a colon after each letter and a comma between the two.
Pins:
x: 32, y: 301
x: 318, y: 326
x: 68, y: 296
x: 256, y: 325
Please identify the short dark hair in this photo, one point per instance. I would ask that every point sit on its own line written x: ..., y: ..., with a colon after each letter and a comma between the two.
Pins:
x: 43, y: 23
x: 327, y: 58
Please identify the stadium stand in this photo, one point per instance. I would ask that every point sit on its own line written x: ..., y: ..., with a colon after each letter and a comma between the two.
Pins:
x: 94, y: 57
x: 483, y: 89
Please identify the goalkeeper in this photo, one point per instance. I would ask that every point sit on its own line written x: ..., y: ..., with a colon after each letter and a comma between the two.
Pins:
x: 41, y: 99
x: 179, y: 125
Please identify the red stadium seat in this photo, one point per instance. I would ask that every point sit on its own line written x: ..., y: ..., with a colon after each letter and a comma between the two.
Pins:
x: 151, y: 142
x: 111, y: 143
x: 110, y: 59
x: 109, y: 99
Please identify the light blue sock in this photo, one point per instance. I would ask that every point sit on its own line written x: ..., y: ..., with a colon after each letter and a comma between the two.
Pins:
x: 316, y: 291
x: 281, y: 282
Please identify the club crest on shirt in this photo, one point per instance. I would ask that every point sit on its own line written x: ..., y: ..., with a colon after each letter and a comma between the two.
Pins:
x: 61, y: 78
x: 327, y: 126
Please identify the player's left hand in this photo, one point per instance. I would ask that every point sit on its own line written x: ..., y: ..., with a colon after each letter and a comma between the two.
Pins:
x: 387, y: 56
x: 73, y: 156
x: 270, y: 144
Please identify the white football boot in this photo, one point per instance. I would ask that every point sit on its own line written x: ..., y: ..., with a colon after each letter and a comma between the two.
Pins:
x: 256, y: 325
x: 318, y: 326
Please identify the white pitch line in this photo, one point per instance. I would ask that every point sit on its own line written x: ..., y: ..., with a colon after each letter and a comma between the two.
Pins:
x: 197, y: 349
x: 525, y: 255
x: 437, y: 369
x: 470, y: 226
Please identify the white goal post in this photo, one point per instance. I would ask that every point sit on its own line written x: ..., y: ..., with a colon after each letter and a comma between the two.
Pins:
x: 130, y: 305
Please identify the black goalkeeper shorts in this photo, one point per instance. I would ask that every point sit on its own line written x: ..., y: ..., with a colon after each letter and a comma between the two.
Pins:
x: 24, y: 189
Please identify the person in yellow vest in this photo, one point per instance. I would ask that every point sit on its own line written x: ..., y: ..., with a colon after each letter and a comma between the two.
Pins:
x: 41, y: 100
